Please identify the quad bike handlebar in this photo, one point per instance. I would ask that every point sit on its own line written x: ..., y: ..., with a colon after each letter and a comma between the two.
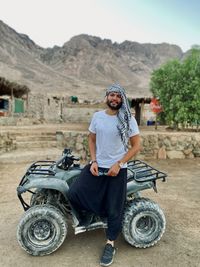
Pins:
x: 66, y: 160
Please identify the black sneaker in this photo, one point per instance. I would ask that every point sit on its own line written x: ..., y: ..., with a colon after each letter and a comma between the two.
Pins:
x: 108, y: 255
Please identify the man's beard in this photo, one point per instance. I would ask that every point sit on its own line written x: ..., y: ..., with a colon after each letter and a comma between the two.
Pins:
x: 117, y: 107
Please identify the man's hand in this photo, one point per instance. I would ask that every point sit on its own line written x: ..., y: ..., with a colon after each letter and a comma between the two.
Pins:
x: 114, y: 170
x: 94, y: 169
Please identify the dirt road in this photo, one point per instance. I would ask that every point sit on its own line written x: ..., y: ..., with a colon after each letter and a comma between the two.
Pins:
x: 179, y: 197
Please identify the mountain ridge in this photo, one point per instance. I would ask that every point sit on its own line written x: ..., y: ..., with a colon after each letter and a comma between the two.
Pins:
x: 83, y: 66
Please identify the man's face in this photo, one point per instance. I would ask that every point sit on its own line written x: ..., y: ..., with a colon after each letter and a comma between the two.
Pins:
x: 114, y: 101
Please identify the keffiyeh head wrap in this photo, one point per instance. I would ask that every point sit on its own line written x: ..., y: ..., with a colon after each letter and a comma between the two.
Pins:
x: 123, y: 115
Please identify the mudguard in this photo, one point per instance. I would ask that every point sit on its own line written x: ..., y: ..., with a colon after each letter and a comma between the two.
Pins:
x: 47, y: 183
x: 133, y: 186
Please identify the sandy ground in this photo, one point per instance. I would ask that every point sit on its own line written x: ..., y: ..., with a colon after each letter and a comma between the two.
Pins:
x: 179, y: 197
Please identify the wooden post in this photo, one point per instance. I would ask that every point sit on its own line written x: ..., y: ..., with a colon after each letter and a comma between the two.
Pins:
x: 27, y: 102
x: 156, y: 123
x: 12, y: 98
x: 142, y: 112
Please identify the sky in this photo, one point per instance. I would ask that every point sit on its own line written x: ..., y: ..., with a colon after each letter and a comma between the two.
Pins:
x: 54, y: 22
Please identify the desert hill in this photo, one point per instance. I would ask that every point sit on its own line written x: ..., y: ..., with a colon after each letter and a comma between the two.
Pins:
x: 83, y: 66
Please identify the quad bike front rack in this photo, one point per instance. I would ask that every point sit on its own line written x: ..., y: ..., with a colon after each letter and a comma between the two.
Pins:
x: 42, y: 168
x: 39, y: 168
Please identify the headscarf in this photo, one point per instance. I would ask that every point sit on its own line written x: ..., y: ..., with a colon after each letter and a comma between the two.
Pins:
x: 123, y: 115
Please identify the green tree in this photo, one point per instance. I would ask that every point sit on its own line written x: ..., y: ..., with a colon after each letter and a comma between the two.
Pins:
x: 177, y: 85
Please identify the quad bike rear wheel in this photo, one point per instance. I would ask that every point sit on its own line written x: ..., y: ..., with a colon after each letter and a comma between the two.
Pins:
x: 41, y: 230
x: 144, y: 223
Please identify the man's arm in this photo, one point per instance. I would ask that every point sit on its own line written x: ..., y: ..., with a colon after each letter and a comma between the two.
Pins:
x: 92, y: 149
x: 135, y: 148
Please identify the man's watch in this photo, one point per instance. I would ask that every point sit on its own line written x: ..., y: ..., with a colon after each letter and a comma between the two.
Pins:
x: 92, y: 161
x: 121, y: 164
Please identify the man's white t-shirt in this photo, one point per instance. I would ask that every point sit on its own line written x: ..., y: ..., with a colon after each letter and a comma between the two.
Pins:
x: 109, y: 146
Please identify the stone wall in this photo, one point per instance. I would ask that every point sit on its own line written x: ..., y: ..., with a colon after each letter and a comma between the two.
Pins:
x: 170, y: 145
x: 156, y: 145
x: 36, y: 104
x: 78, y: 114
x: 7, y: 143
x: 19, y: 120
x: 52, y: 108
x: 57, y: 108
x: 45, y: 107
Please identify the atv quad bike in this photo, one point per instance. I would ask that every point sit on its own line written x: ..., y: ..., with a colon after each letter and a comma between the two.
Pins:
x: 43, y: 227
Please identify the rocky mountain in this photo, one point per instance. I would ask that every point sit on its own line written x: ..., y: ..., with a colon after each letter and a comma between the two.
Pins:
x: 83, y: 66
x: 20, y: 62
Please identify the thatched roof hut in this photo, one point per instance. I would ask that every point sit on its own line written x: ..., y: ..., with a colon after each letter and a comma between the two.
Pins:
x: 12, y: 88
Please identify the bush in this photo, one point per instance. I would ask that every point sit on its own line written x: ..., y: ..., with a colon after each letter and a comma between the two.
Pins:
x: 177, y: 85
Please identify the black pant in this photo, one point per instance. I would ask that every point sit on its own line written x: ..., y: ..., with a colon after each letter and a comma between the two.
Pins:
x: 102, y: 195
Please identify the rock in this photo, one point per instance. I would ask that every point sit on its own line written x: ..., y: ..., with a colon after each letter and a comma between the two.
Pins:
x: 73, y: 134
x: 79, y: 146
x: 175, y: 154
x: 83, y: 155
x: 162, y: 153
x: 187, y: 151
x: 59, y: 136
x: 79, y: 139
x: 167, y: 142
x: 173, y: 140
x: 190, y: 156
x: 196, y: 152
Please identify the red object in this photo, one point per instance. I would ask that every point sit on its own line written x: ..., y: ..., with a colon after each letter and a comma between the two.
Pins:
x: 155, y: 105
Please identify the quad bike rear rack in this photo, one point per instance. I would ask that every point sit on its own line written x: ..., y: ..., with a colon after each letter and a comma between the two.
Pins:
x: 143, y: 172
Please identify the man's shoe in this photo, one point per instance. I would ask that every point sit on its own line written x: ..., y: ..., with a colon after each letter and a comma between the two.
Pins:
x: 108, y: 255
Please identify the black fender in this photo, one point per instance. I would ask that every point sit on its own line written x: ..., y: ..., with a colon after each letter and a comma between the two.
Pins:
x: 47, y: 183
x: 133, y: 186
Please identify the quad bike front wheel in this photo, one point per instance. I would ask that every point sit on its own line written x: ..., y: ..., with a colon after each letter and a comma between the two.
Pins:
x: 41, y: 230
x: 144, y: 223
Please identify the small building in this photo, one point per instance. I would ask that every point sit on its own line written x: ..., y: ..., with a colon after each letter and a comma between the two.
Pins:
x: 13, y: 98
x: 142, y: 111
x: 18, y: 101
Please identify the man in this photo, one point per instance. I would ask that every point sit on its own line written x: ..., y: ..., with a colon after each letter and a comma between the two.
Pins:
x: 110, y: 132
